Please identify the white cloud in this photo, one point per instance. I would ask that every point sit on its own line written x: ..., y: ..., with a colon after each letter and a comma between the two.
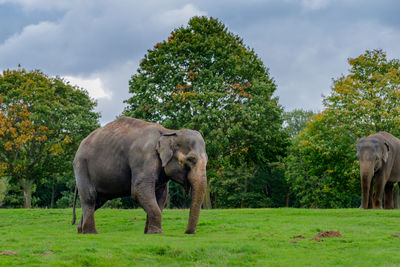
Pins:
x: 179, y: 16
x: 93, y: 85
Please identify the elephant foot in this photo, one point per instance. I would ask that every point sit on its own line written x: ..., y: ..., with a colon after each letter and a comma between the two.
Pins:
x: 91, y: 230
x: 154, y: 230
x: 190, y: 231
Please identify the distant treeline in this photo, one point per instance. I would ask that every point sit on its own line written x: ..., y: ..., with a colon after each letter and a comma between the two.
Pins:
x: 205, y: 78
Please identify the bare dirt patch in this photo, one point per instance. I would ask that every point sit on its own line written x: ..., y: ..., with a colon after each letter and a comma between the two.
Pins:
x: 329, y: 234
x: 396, y: 235
x: 325, y: 234
x: 294, y: 239
x: 48, y: 252
x: 9, y: 252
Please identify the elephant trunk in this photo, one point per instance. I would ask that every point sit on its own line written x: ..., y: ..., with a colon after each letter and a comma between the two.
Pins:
x: 198, y: 180
x: 366, y: 174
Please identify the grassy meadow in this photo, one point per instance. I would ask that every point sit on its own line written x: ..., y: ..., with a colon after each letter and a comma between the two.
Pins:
x: 237, y: 237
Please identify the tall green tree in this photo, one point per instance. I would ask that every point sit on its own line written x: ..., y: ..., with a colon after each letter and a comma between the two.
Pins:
x: 322, y: 167
x: 296, y: 120
x: 205, y: 78
x: 42, y: 121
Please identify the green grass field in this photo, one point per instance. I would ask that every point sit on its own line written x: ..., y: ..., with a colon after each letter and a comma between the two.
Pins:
x: 238, y: 237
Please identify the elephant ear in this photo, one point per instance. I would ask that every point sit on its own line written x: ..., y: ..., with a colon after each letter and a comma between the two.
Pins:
x: 164, y: 148
x: 386, y: 152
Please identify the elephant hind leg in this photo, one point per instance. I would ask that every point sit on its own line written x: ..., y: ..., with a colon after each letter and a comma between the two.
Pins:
x: 88, y: 224
x: 88, y: 197
x: 80, y: 225
x: 99, y: 204
x: 88, y: 201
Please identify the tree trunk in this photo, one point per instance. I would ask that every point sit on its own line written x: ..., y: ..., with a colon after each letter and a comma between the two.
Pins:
x: 207, y: 198
x: 52, y: 194
x: 27, y: 187
x: 244, y: 193
x: 287, y: 195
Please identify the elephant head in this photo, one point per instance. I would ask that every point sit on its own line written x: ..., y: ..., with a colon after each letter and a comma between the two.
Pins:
x: 183, y: 158
x: 372, y: 154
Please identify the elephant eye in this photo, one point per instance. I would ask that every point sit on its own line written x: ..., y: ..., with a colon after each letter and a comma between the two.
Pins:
x: 192, y: 160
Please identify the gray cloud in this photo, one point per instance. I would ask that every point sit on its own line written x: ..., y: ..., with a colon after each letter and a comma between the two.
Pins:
x: 304, y: 43
x: 94, y: 40
x: 307, y: 43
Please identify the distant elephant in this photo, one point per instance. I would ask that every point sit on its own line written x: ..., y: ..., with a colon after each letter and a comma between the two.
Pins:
x: 379, y: 157
x: 131, y: 157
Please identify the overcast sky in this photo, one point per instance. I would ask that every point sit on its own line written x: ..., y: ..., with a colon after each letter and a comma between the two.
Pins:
x: 98, y: 44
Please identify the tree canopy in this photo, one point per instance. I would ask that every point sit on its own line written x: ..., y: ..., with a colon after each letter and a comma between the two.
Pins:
x: 204, y: 78
x: 42, y: 121
x: 322, y: 164
x: 296, y: 120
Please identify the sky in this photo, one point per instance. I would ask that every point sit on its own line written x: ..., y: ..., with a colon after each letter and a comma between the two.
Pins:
x: 98, y: 44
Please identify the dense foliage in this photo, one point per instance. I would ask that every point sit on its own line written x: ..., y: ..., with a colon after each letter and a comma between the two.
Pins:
x: 204, y: 78
x: 322, y: 167
x: 296, y: 120
x: 42, y: 121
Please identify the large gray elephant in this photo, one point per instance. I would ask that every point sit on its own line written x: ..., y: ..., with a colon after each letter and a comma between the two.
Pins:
x: 131, y: 157
x: 379, y: 157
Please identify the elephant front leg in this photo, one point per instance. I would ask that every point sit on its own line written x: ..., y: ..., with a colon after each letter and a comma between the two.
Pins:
x: 146, y: 198
x: 389, y: 195
x: 371, y: 194
x: 153, y: 220
x: 161, y: 197
x: 379, y: 188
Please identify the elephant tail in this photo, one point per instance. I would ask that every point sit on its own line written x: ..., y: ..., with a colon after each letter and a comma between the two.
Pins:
x: 73, y: 207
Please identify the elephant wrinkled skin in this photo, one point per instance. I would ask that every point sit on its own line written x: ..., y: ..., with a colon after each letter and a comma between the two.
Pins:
x: 379, y: 157
x: 131, y: 157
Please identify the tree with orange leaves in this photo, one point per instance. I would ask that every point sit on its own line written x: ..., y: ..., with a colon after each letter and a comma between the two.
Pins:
x: 42, y: 120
